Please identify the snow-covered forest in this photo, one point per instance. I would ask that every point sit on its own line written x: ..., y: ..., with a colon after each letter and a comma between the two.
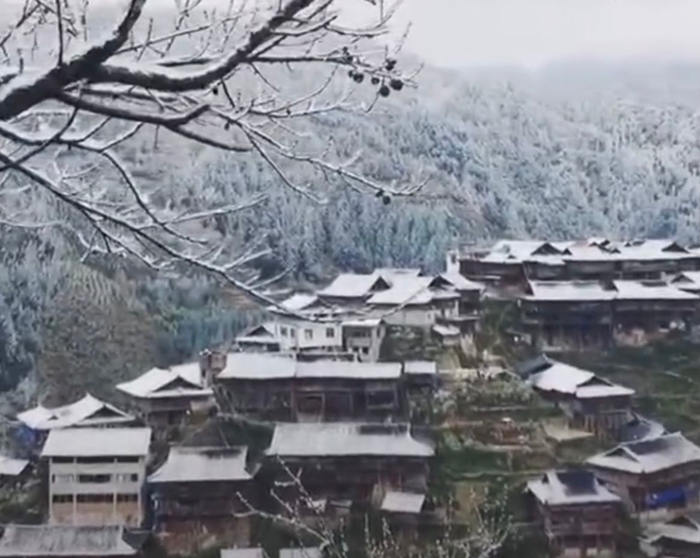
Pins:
x: 503, y: 158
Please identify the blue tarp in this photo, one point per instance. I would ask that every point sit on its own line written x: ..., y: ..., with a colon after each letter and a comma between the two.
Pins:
x: 668, y: 496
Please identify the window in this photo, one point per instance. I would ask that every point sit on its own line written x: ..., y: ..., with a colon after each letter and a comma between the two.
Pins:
x: 96, y: 460
x: 62, y: 498
x: 330, y: 332
x: 283, y: 331
x: 365, y: 350
x: 126, y: 477
x: 292, y: 332
x: 94, y: 478
x: 62, y: 478
x: 383, y: 398
x: 127, y: 498
x: 312, y: 404
x: 308, y: 334
x: 94, y: 498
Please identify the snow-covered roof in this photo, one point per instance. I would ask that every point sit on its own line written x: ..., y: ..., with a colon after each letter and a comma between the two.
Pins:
x: 648, y: 456
x: 565, y: 488
x: 262, y: 366
x: 202, y: 464
x: 406, y: 289
x: 261, y: 333
x: 593, y: 253
x: 420, y: 367
x: 603, y: 390
x: 560, y: 377
x: 345, y: 439
x: 650, y: 290
x: 242, y: 553
x: 88, y: 411
x: 299, y: 301
x: 688, y: 277
x: 651, y: 249
x: 460, y: 282
x: 522, y: 249
x: 348, y: 369
x: 11, y: 467
x: 352, y: 285
x: 640, y: 428
x: 258, y: 366
x: 445, y: 330
x: 684, y: 528
x: 569, y: 380
x: 64, y: 540
x: 402, y: 502
x: 306, y: 552
x: 392, y: 272
x: 568, y: 291
x: 97, y: 442
x: 592, y: 249
x: 362, y: 322
x: 183, y: 380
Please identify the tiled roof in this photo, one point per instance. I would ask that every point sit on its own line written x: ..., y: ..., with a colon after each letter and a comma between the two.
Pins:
x: 345, y: 439
x: 97, y: 442
x: 88, y: 411
x: 648, y: 456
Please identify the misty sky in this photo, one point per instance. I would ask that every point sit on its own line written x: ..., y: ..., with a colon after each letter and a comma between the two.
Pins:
x: 532, y: 33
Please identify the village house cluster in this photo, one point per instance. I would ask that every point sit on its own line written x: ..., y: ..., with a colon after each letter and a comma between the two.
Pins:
x: 344, y: 433
x: 341, y: 436
x: 649, y: 473
x: 589, y: 293
x: 350, y: 316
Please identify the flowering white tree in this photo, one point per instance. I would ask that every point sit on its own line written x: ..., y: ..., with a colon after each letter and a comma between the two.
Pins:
x: 72, y: 94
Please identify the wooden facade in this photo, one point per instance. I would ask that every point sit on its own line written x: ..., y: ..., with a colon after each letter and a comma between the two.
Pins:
x: 590, y: 314
x: 325, y: 399
x: 354, y: 462
x: 579, y: 517
x: 655, y: 478
x: 197, y: 493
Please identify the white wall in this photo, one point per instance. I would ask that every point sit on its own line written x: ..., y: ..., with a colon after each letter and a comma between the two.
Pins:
x: 301, y: 334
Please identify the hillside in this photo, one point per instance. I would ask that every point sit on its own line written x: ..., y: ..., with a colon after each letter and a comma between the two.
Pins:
x: 504, y: 154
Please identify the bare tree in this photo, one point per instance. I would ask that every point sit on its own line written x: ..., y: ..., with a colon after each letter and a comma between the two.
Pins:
x: 70, y: 97
x: 302, y: 515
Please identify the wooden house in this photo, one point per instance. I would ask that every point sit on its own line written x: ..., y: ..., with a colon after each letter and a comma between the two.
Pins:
x: 166, y: 397
x: 676, y: 538
x: 95, y: 475
x: 280, y: 387
x: 412, y: 301
x: 197, y: 492
x: 579, y: 515
x: 651, y: 306
x: 349, y: 461
x: 567, y: 314
x: 512, y: 262
x: 49, y: 541
x: 305, y: 322
x: 590, y: 314
x: 589, y: 401
x: 655, y: 477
